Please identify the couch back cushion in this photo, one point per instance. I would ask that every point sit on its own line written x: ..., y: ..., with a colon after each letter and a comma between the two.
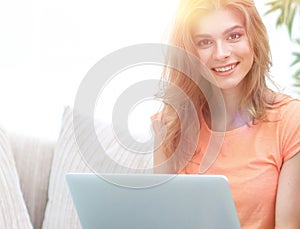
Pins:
x: 33, y: 158
x: 80, y: 153
x: 13, y: 211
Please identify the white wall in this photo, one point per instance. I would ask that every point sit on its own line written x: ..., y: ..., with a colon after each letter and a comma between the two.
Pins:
x: 47, y: 47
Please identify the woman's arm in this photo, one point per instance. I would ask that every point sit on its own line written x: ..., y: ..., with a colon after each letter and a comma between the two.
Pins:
x: 288, y: 195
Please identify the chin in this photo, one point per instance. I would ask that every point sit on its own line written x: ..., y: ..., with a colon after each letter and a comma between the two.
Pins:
x: 230, y: 86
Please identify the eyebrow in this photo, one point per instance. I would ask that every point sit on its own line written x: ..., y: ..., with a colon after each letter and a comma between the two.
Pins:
x: 233, y: 28
x: 225, y: 32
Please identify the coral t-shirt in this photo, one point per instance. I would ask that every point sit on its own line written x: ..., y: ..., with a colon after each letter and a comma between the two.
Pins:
x: 251, y: 158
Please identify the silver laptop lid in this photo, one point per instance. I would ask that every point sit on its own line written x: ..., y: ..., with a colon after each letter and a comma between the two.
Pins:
x: 152, y: 201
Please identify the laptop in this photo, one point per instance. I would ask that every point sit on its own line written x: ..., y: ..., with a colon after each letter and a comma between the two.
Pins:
x: 152, y: 201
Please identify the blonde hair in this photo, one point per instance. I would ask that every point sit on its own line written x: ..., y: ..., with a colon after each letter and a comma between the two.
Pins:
x: 255, y: 85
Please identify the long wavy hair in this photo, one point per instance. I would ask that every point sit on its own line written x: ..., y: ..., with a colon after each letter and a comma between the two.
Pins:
x: 255, y: 101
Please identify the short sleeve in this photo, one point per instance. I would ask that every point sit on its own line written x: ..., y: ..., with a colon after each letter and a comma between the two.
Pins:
x: 289, y: 130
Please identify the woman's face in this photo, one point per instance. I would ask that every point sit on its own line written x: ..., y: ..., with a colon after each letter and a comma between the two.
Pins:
x: 223, y: 46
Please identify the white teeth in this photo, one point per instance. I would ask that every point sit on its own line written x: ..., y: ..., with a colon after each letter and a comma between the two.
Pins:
x: 225, y: 69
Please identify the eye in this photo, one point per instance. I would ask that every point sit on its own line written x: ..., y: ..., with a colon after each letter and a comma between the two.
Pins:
x: 204, y: 43
x: 234, y: 36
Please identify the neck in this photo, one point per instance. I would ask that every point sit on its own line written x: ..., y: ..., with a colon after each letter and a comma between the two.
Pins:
x: 226, y: 111
x: 231, y: 102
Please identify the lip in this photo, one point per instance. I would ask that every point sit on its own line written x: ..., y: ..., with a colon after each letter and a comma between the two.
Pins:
x: 225, y: 70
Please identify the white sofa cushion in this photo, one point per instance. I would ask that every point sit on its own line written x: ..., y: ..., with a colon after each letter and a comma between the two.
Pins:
x: 13, y: 212
x: 33, y: 157
x: 60, y: 212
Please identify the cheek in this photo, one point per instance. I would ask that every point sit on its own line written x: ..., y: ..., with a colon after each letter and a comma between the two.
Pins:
x: 204, y: 57
x: 248, y: 56
x: 246, y: 51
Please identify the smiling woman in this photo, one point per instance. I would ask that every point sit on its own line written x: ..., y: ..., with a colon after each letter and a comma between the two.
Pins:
x: 235, y: 108
x: 47, y: 48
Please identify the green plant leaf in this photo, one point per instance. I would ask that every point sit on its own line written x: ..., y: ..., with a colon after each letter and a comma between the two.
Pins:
x: 295, y: 10
x: 273, y: 9
x: 289, y: 10
x: 297, y: 59
x: 297, y: 76
x: 290, y: 20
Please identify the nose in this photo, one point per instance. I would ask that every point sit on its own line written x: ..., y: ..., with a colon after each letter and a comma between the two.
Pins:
x: 221, y: 51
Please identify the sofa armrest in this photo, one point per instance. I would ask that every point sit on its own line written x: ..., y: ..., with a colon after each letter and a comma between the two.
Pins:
x: 33, y: 159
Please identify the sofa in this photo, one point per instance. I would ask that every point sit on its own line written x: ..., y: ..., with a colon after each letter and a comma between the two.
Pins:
x: 34, y: 193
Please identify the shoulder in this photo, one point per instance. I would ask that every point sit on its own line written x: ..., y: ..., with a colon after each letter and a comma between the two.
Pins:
x: 282, y: 107
x: 289, y: 111
x: 286, y: 103
x: 289, y: 125
x: 288, y: 108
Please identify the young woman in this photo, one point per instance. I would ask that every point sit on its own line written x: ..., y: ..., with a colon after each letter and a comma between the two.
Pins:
x: 253, y: 135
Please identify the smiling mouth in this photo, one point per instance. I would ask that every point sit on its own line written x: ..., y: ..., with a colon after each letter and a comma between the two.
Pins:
x: 225, y: 68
